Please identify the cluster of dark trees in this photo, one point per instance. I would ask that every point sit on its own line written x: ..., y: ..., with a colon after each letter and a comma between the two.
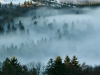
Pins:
x: 13, y: 67
x: 11, y: 28
x: 54, y: 67
x: 8, y: 11
x: 70, y: 67
x: 28, y: 3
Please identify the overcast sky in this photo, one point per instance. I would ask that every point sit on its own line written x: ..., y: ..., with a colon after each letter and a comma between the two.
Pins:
x: 14, y: 1
x: 21, y: 1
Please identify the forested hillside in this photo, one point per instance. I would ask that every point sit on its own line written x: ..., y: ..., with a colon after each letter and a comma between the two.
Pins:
x: 35, y: 32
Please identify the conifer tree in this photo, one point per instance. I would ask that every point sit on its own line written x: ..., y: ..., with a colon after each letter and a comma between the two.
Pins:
x: 74, y: 61
x: 10, y: 4
x: 12, y: 20
x: 8, y: 28
x: 59, y: 67
x: 49, y: 67
x: 20, y: 23
x: 6, y: 67
x: 0, y: 4
x: 11, y: 67
x: 25, y: 3
x: 28, y: 3
x: 75, y: 66
x: 56, y: 67
x: 16, y: 67
x: 67, y: 61
x: 1, y: 29
x: 21, y: 26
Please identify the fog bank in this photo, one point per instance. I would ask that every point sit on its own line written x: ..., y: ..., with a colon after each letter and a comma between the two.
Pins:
x: 55, y: 33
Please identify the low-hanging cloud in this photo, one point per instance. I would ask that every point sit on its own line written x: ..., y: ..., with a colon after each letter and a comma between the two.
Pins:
x: 49, y: 38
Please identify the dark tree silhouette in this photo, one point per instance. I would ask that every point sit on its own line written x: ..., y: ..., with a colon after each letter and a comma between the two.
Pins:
x: 1, y: 30
x: 56, y: 67
x: 11, y: 67
x: 21, y: 27
x: 8, y: 28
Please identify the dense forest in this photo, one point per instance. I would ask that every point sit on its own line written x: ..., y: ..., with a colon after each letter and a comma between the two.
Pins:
x: 54, y: 67
x: 36, y: 32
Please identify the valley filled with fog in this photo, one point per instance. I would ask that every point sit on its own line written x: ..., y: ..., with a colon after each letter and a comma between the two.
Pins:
x: 52, y: 32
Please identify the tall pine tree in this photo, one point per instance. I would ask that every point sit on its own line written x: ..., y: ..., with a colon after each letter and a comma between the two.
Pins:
x: 11, y: 67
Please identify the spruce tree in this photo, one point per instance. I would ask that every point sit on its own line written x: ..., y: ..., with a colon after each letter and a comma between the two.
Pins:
x: 67, y: 65
x: 6, y: 68
x: 11, y: 67
x: 49, y: 68
x: 75, y: 66
x: 16, y: 67
x: 10, y: 4
x: 1, y: 29
x: 8, y: 28
x: 67, y: 61
x: 25, y: 3
x: 59, y: 67
x: 56, y: 67
x: 12, y: 20
x: 74, y: 61
x: 21, y: 26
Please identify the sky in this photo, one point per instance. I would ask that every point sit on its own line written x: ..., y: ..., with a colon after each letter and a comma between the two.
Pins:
x: 21, y: 1
x: 14, y: 1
